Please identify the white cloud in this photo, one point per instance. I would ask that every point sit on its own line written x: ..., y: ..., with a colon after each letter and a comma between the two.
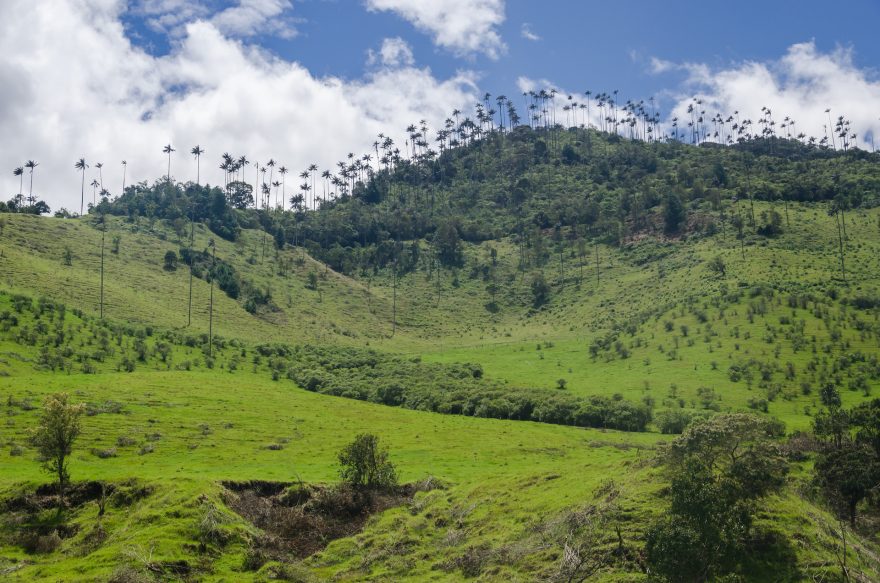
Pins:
x: 395, y: 52
x: 801, y: 85
x: 526, y: 32
x: 464, y: 27
x: 250, y: 17
x: 244, y: 19
x: 71, y: 85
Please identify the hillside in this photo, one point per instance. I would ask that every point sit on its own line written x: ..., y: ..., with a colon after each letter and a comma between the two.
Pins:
x: 496, y: 314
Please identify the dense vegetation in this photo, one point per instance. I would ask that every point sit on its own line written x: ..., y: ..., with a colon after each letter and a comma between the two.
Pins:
x: 231, y: 368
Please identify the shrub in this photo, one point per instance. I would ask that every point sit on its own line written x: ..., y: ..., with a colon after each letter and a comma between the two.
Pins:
x: 364, y: 464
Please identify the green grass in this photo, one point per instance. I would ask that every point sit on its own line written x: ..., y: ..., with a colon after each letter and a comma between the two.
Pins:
x: 504, y: 477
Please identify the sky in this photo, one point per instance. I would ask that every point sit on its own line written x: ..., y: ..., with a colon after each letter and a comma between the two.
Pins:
x: 308, y: 81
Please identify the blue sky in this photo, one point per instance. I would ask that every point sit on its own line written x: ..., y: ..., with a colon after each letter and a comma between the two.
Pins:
x: 581, y: 44
x: 306, y: 81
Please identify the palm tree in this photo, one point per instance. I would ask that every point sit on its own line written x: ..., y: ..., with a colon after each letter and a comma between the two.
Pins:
x: 100, y: 165
x: 197, y: 152
x: 271, y: 165
x: 30, y: 164
x: 167, y: 150
x: 81, y: 166
x: 94, y: 186
x: 20, y: 173
x: 124, y: 168
x: 282, y: 171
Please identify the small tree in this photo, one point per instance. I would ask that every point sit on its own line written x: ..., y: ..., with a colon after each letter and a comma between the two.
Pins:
x: 58, y: 429
x: 540, y: 291
x: 170, y: 260
x: 365, y: 464
x: 67, y: 256
x: 716, y: 265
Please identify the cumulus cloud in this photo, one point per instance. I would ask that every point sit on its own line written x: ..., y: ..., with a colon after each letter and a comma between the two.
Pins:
x: 72, y: 85
x: 464, y: 27
x: 395, y: 52
x: 801, y: 85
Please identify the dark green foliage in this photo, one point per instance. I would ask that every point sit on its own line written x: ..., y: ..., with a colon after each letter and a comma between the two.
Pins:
x: 364, y: 464
x: 674, y: 213
x: 540, y: 291
x: 449, y: 247
x: 770, y: 224
x: 170, y: 261
x: 457, y: 389
x: 847, y: 470
x: 721, y: 466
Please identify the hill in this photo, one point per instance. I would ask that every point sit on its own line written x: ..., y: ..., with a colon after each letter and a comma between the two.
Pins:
x: 496, y: 313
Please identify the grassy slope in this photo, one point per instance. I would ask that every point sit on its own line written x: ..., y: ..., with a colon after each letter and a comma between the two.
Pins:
x: 498, y: 469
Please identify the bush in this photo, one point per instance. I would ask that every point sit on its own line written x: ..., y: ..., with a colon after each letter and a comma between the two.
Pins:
x: 364, y: 464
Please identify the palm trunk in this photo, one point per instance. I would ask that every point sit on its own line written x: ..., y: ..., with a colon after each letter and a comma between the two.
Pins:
x: 211, y: 305
x: 82, y: 198
x: 103, y: 232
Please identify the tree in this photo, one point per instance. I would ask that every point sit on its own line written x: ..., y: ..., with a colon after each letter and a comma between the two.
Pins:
x: 540, y: 291
x: 31, y: 165
x: 449, y: 248
x: 716, y: 265
x: 168, y: 150
x: 197, y: 152
x: 365, y: 465
x: 19, y: 171
x: 673, y: 213
x: 54, y: 436
x: 170, y: 260
x: 720, y: 467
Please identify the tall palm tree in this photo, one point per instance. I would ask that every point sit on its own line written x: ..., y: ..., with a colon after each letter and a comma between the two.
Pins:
x: 124, y: 168
x: 167, y: 150
x: 94, y: 186
x: 19, y: 171
x: 30, y: 164
x: 81, y: 166
x: 282, y: 171
x: 99, y: 166
x: 197, y: 152
x: 271, y: 165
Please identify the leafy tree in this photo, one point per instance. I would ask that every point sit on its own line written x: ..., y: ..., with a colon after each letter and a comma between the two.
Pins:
x: 170, y: 260
x: 540, y: 291
x: 365, y: 465
x: 716, y: 265
x: 720, y: 466
x: 673, y: 213
x: 54, y: 436
x: 449, y: 247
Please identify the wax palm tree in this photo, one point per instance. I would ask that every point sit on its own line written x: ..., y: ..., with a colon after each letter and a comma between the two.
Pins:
x: 271, y: 165
x: 167, y: 150
x: 30, y: 164
x: 81, y: 166
x: 19, y: 171
x: 282, y: 171
x: 99, y: 166
x: 124, y: 168
x: 242, y: 163
x: 197, y: 152
x: 94, y: 186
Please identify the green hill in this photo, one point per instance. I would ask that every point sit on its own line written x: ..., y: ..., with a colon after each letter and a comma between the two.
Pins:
x: 494, y: 313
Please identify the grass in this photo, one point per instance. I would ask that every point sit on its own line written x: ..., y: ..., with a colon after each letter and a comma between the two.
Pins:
x: 180, y: 432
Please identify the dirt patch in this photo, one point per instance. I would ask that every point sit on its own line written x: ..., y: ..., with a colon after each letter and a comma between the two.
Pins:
x: 299, y: 520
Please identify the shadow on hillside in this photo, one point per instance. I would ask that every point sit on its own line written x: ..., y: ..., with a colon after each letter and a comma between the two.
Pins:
x: 298, y: 520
